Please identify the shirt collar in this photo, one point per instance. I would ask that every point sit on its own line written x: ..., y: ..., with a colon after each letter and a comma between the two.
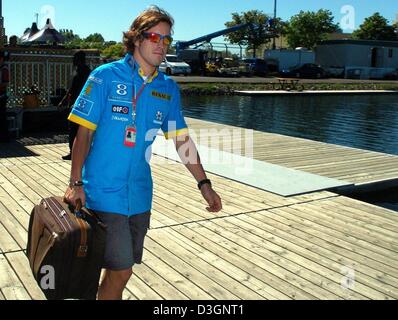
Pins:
x: 135, y: 66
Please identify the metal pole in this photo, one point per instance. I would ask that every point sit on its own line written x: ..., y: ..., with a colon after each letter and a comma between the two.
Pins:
x: 274, y: 42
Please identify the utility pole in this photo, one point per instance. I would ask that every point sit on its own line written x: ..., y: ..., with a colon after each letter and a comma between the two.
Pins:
x: 274, y: 42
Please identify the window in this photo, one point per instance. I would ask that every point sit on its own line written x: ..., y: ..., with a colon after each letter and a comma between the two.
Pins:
x: 390, y: 53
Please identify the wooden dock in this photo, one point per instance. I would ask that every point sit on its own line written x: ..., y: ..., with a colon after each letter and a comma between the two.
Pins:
x: 261, y: 246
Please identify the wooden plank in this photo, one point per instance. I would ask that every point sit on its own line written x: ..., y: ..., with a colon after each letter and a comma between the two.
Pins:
x: 357, y: 215
x: 386, y: 244
x: 19, y: 183
x: 187, y: 253
x: 20, y: 264
x: 231, y: 198
x: 273, y: 283
x: 294, y: 268
x: 17, y: 210
x: 159, y: 285
x: 186, y: 270
x: 323, y: 251
x: 342, y: 238
x: 10, y: 285
x: 367, y: 208
x: 174, y: 277
x: 276, y: 242
x: 141, y: 290
x: 7, y: 242
x: 10, y: 190
x: 15, y: 228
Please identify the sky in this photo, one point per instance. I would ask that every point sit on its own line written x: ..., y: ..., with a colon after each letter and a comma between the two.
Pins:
x: 194, y: 18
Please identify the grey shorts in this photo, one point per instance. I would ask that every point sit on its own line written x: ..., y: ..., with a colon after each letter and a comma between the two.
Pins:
x: 124, y: 240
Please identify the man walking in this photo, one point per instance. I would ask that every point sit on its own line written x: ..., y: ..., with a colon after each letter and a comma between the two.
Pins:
x: 119, y: 111
x: 4, y: 80
x: 80, y: 78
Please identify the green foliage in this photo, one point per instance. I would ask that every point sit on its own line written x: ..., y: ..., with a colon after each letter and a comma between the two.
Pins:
x: 113, y: 51
x: 252, y: 37
x: 308, y: 28
x: 93, y: 41
x: 96, y: 37
x: 376, y: 27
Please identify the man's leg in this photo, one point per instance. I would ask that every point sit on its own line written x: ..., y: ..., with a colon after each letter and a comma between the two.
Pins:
x: 72, y: 128
x: 3, y: 120
x: 113, y: 284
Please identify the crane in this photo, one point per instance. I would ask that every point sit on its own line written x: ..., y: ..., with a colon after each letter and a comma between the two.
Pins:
x: 196, y: 60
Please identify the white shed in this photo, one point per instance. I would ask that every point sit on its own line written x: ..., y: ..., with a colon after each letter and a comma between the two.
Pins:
x: 358, y: 58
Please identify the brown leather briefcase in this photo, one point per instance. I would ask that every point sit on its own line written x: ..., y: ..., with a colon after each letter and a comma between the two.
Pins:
x: 65, y: 250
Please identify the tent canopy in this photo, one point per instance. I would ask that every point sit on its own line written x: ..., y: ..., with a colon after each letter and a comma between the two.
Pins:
x: 45, y: 35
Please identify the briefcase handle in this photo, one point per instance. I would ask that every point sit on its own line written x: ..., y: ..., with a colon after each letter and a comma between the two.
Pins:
x: 77, y: 209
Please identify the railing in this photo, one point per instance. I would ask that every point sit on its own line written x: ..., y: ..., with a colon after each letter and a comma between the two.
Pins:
x: 48, y: 76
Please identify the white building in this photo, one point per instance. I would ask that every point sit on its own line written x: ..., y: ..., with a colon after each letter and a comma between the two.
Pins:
x: 362, y: 59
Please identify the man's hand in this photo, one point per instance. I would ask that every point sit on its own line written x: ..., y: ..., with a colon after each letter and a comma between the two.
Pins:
x: 73, y: 194
x: 212, y: 198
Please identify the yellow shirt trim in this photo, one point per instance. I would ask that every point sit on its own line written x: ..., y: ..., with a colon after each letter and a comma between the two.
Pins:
x: 82, y: 122
x: 141, y: 73
x: 174, y: 134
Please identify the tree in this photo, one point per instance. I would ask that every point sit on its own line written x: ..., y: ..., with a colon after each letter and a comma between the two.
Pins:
x: 69, y: 35
x: 252, y: 36
x: 376, y: 27
x: 308, y: 28
x: 96, y: 37
x: 113, y: 51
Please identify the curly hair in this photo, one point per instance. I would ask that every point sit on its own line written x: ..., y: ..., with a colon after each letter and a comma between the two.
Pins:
x: 145, y: 21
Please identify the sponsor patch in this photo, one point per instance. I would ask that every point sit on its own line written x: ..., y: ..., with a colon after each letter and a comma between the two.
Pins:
x: 120, y: 109
x: 116, y: 118
x: 159, y: 116
x: 96, y: 80
x: 120, y: 92
x: 84, y: 106
x: 88, y: 89
x: 160, y: 95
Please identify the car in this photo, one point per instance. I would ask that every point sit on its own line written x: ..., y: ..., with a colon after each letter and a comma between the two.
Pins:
x: 307, y: 70
x: 392, y: 75
x: 257, y: 66
x: 172, y: 65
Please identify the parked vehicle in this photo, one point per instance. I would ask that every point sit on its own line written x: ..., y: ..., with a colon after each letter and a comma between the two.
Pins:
x: 257, y: 66
x: 393, y: 75
x: 172, y: 65
x: 223, y: 67
x: 307, y: 70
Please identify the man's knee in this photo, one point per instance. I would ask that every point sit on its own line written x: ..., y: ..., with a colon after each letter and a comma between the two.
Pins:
x: 120, y: 277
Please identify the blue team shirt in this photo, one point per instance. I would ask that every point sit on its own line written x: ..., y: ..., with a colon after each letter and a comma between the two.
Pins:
x: 117, y: 178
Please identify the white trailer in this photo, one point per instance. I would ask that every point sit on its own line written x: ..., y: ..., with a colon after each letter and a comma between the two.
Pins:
x: 286, y: 59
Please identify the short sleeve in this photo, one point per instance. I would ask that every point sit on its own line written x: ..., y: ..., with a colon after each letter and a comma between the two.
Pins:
x: 174, y: 124
x: 91, y: 102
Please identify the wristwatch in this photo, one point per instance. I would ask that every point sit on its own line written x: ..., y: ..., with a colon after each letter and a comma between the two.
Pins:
x: 201, y: 183
x: 77, y: 183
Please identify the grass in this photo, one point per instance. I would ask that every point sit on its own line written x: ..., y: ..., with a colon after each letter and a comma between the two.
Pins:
x: 229, y: 88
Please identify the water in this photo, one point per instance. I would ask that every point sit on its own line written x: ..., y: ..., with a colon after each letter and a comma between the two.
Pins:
x: 362, y: 121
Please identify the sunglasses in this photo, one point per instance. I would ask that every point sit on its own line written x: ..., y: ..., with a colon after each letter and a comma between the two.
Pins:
x: 156, y: 37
